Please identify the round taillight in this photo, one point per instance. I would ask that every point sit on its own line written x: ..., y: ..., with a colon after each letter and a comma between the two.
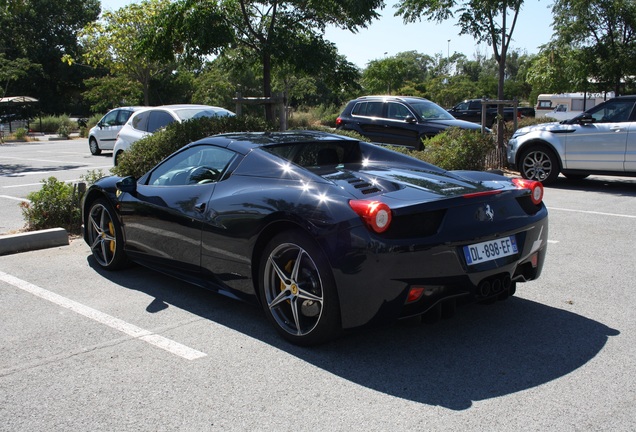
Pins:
x: 376, y: 214
x: 535, y: 187
x: 537, y: 192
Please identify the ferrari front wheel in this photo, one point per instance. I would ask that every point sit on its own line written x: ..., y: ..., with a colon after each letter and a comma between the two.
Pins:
x: 105, y: 236
x: 298, y: 291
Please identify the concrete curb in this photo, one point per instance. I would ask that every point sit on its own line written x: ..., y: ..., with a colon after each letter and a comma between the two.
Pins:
x: 14, y: 243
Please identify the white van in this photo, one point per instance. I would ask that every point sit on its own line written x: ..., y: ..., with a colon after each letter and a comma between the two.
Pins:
x: 564, y: 106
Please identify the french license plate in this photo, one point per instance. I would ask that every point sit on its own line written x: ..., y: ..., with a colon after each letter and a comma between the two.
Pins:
x: 490, y: 250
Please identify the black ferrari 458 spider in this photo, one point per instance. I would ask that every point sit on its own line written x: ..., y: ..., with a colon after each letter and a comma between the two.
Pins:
x: 324, y: 232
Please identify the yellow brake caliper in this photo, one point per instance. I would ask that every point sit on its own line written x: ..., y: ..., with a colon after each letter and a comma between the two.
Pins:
x: 111, y: 231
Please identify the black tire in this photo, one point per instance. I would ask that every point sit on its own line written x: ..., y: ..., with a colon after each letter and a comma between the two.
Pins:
x: 539, y: 163
x: 94, y: 148
x: 117, y: 157
x: 297, y: 290
x: 104, y: 235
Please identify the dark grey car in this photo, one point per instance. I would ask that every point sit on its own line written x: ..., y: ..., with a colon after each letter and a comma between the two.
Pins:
x: 398, y: 120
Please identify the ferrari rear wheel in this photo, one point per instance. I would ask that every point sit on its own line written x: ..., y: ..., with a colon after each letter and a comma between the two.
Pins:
x: 298, y: 291
x: 105, y: 236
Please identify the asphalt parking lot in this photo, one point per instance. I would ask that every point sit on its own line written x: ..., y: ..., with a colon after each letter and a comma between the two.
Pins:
x: 85, y: 349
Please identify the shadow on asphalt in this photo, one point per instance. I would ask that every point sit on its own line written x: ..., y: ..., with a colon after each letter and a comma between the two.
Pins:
x: 622, y: 186
x: 483, y: 352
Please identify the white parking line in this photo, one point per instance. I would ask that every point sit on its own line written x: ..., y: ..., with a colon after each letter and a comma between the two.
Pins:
x: 14, y: 198
x: 593, y: 212
x: 35, y: 184
x: 115, y: 323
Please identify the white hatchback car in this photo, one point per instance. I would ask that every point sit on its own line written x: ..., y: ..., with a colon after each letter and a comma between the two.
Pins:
x: 145, y: 122
x: 102, y: 136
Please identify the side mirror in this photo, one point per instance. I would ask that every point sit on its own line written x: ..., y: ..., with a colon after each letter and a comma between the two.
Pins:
x: 127, y: 184
x: 410, y: 119
x: 586, y: 118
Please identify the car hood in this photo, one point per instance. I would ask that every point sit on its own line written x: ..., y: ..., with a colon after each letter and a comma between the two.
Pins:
x: 405, y: 184
x: 544, y: 127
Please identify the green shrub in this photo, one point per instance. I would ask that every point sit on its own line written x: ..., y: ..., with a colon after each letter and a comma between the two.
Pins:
x: 458, y: 149
x: 52, y: 124
x: 329, y: 119
x: 64, y: 130
x: 148, y: 152
x: 55, y: 205
x: 21, y: 133
x: 301, y: 119
x: 526, y: 121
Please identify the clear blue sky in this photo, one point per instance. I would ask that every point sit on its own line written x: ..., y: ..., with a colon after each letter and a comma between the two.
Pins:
x: 389, y: 35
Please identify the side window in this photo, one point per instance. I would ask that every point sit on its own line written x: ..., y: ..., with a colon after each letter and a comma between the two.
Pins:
x: 140, y: 122
x: 368, y: 109
x: 545, y: 104
x: 396, y: 111
x: 197, y: 165
x: 613, y: 112
x: 462, y: 106
x: 110, y: 119
x: 359, y: 109
x: 123, y: 116
x: 159, y: 119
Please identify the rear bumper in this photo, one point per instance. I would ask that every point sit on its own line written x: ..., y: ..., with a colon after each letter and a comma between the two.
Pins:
x: 374, y: 282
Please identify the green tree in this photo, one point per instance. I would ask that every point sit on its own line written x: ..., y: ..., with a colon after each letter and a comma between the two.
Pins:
x: 278, y: 32
x: 392, y: 74
x: 108, y: 92
x: 42, y: 31
x: 113, y: 43
x: 12, y: 70
x: 557, y: 68
x: 485, y: 20
x: 604, y: 34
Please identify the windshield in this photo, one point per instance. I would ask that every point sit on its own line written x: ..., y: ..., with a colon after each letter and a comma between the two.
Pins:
x: 431, y: 111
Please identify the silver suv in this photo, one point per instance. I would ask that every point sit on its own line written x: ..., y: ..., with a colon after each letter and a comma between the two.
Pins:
x: 602, y: 141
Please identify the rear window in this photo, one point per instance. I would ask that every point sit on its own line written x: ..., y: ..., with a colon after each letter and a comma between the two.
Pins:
x: 158, y: 120
x: 140, y: 121
x: 316, y: 154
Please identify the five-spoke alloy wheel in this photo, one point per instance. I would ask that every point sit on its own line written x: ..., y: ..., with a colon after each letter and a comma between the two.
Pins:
x: 105, y: 236
x: 297, y: 290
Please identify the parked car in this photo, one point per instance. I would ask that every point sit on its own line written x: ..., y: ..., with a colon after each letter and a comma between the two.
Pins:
x: 324, y: 232
x: 398, y: 120
x: 102, y: 136
x: 471, y: 110
x: 602, y: 140
x: 148, y: 121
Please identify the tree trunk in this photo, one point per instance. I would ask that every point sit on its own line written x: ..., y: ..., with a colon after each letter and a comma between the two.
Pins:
x: 267, y: 85
x: 501, y: 150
